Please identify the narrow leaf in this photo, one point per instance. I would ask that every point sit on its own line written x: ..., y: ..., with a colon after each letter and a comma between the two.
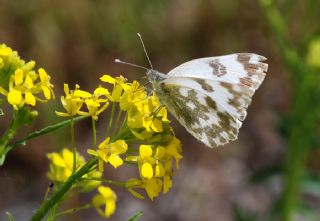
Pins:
x: 10, y: 216
x: 46, y: 130
x: 136, y: 216
x: 3, y: 155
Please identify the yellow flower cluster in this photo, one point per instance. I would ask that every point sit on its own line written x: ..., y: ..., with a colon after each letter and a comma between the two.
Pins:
x: 75, y: 99
x: 20, y: 82
x: 61, y: 168
x: 141, y: 126
x: 155, y: 167
x: 147, y: 117
x: 97, y: 102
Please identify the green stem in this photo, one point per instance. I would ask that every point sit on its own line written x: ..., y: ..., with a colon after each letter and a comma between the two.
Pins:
x: 73, y: 145
x: 111, y: 118
x: 10, y: 132
x: 56, y: 196
x: 111, y: 182
x: 117, y: 123
x: 7, y: 136
x: 130, y: 162
x: 47, y: 130
x: 123, y: 133
x: 124, y: 123
x: 94, y: 131
x: 300, y: 132
x: 72, y: 211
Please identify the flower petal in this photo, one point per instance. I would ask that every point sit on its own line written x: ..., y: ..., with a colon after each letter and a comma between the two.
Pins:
x: 147, y: 171
x: 115, y: 160
x: 15, y: 97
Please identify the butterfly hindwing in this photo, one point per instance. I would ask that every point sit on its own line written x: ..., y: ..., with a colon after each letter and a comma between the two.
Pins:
x: 203, y: 117
x: 233, y: 98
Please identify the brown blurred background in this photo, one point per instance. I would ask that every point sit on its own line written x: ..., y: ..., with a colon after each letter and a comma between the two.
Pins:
x: 77, y: 41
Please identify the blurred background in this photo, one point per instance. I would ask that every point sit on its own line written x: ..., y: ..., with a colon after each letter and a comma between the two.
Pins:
x: 270, y: 173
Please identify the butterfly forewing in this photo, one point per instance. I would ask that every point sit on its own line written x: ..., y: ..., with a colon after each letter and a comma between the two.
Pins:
x: 210, y: 96
x: 244, y: 68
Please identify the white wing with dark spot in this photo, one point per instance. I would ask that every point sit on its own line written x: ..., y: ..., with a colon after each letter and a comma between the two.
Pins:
x: 210, y: 96
x: 241, y: 68
x: 205, y: 118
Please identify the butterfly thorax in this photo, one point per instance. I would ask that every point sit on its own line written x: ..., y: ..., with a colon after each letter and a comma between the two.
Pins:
x: 155, y: 77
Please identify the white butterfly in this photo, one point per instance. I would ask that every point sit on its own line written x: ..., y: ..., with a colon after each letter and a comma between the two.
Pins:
x: 210, y: 96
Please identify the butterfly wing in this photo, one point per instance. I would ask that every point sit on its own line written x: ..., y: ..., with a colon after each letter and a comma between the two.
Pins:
x: 240, y: 68
x: 210, y: 96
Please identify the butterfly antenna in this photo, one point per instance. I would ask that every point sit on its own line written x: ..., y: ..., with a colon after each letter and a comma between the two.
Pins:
x: 130, y: 64
x: 145, y: 51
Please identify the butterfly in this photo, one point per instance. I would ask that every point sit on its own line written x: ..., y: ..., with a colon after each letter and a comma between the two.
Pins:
x: 210, y: 96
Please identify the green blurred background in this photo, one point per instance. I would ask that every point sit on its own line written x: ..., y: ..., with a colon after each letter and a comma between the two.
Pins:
x: 270, y: 173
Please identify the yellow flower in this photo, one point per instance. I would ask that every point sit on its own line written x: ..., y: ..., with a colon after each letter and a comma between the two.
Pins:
x: 155, y: 167
x: 173, y: 149
x: 24, y: 83
x: 61, y: 168
x: 134, y: 94
x: 61, y: 165
x: 109, y: 153
x: 45, y: 84
x: 105, y: 197
x: 150, y: 164
x: 20, y: 84
x: 119, y: 85
x: 9, y: 62
x: 74, y: 100
x: 151, y: 186
x: 15, y: 97
x: 167, y: 178
x: 70, y: 102
x: 149, y: 115
x: 5, y: 51
x: 146, y: 160
x: 159, y: 157
x: 93, y: 102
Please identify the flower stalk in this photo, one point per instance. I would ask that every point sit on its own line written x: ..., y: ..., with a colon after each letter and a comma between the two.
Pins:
x: 56, y: 196
x: 73, y: 145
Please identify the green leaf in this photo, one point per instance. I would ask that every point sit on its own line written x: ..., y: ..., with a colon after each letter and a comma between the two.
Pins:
x: 46, y: 130
x: 3, y: 154
x: 5, y: 149
x: 136, y: 216
x: 1, y: 112
x: 10, y: 216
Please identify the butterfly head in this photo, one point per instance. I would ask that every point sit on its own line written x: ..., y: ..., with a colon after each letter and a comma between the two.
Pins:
x: 155, y: 76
